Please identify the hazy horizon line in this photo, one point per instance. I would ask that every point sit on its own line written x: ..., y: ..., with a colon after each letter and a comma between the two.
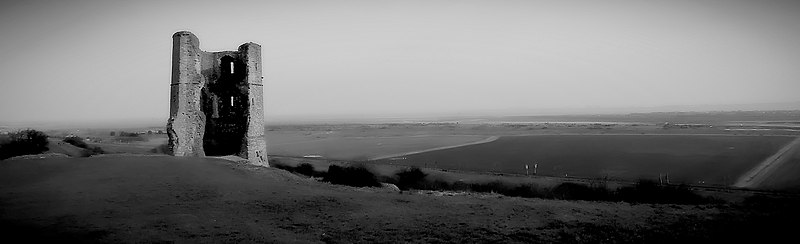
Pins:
x: 386, y: 118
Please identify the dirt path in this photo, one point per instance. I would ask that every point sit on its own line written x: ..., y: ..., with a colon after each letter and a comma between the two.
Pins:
x: 754, y: 177
x: 487, y: 140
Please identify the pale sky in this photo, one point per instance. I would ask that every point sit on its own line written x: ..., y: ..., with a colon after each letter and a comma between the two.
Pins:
x: 110, y: 60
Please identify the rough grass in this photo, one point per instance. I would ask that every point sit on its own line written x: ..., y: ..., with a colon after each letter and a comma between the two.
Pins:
x: 203, y: 200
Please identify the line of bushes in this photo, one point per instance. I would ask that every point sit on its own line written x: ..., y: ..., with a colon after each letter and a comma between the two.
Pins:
x: 128, y: 137
x: 24, y: 142
x: 88, y: 150
x: 644, y: 191
x: 352, y: 175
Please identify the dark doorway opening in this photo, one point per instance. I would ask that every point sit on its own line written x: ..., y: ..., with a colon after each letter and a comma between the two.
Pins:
x: 226, y: 108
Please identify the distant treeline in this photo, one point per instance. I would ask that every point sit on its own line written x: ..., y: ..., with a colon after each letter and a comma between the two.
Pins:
x: 23, y: 142
x: 125, y: 134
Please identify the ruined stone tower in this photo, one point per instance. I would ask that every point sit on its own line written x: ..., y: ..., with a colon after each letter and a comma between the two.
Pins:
x: 216, y: 101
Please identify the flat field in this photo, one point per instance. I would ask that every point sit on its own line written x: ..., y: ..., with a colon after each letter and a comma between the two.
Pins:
x: 695, y: 159
x: 362, y: 148
x: 701, y: 152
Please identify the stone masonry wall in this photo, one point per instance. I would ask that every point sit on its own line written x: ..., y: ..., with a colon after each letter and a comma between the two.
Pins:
x: 216, y: 101
x: 186, y: 124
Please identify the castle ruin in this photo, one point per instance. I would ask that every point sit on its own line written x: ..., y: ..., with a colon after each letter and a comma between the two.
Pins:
x: 216, y: 101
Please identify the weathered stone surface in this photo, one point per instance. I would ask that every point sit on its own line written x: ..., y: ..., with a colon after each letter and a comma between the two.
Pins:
x: 216, y: 101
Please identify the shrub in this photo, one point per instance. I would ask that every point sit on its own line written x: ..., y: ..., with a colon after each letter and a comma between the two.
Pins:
x: 438, y: 185
x: 87, y: 149
x: 76, y: 141
x: 128, y: 134
x: 528, y: 191
x: 642, y: 192
x: 281, y: 166
x: 305, y: 169
x: 647, y: 191
x: 162, y: 149
x: 459, y: 186
x: 575, y: 191
x: 493, y: 186
x: 23, y: 143
x: 410, y: 178
x: 358, y: 176
x: 123, y: 136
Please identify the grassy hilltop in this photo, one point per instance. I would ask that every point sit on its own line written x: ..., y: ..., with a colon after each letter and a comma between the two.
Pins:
x: 168, y: 199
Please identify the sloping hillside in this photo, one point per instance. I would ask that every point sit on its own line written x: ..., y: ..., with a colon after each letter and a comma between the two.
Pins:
x: 59, y: 146
x: 169, y: 199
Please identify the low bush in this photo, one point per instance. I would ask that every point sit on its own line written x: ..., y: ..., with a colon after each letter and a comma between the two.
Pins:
x: 642, y: 192
x: 529, y: 191
x: 575, y: 191
x: 88, y: 150
x: 306, y: 169
x: 492, y: 186
x: 646, y: 191
x: 76, y: 141
x: 302, y: 168
x: 23, y: 142
x: 128, y: 134
x: 162, y: 149
x: 410, y: 178
x: 415, y: 178
x: 358, y: 176
x: 128, y: 137
x: 281, y: 166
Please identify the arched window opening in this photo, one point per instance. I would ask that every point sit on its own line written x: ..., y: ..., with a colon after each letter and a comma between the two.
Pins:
x: 227, y: 64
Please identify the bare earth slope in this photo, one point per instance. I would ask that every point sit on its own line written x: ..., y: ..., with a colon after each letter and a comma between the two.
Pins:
x: 190, y: 200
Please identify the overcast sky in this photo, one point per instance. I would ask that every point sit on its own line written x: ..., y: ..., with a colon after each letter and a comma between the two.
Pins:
x: 110, y: 60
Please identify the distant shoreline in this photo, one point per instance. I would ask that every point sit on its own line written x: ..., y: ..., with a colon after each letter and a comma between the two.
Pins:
x: 487, y: 140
